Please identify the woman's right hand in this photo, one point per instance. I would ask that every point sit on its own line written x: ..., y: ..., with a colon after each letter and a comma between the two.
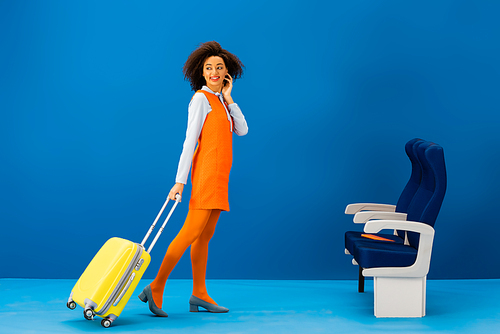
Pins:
x: 176, y: 189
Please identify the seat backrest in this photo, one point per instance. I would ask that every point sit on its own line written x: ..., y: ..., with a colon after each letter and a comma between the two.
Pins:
x: 435, y: 158
x: 415, y: 177
x: 413, y: 183
x: 427, y: 201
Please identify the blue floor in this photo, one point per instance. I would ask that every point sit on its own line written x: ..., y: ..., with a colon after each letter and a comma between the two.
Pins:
x: 453, y: 306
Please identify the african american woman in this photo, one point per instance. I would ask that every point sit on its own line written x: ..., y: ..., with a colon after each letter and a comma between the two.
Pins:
x: 212, y: 118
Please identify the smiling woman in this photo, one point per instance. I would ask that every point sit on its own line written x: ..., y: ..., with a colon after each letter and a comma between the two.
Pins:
x: 212, y: 119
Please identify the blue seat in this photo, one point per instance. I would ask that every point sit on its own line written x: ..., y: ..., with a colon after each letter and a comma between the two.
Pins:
x: 372, y: 254
x: 402, y: 205
x: 413, y: 210
x: 391, y: 211
x: 400, y: 270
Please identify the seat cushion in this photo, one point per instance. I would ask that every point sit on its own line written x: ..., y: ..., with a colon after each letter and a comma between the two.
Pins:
x: 353, y: 236
x: 374, y: 254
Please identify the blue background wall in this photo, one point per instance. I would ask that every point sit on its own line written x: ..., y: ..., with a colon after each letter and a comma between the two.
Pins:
x: 94, y: 111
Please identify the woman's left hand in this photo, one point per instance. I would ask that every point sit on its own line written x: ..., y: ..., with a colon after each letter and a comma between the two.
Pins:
x: 226, y: 90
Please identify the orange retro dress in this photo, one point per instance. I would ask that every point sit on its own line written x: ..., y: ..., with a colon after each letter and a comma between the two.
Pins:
x: 212, y: 159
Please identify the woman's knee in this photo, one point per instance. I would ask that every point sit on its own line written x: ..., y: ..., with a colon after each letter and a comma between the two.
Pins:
x: 203, y: 239
x: 190, y: 235
x: 194, y: 225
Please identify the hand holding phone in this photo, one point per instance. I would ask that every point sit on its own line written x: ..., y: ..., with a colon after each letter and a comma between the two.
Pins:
x: 227, y: 88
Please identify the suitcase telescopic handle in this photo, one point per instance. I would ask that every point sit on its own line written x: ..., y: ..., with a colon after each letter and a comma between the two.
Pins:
x: 177, y: 200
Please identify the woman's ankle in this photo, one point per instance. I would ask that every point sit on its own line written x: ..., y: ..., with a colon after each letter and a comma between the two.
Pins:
x: 157, y: 294
x: 204, y: 296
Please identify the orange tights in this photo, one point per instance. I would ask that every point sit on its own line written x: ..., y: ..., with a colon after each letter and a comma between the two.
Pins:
x: 196, y: 232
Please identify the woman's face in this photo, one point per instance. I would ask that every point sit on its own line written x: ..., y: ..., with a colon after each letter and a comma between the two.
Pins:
x: 214, y: 72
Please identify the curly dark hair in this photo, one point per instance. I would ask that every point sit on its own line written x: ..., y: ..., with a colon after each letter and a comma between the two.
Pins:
x: 193, y: 68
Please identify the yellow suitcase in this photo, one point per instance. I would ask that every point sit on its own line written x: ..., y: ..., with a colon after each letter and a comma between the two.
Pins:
x: 113, y: 274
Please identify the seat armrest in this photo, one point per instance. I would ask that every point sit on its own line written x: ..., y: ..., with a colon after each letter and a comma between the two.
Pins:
x: 357, y: 207
x: 421, y: 266
x: 374, y: 226
x: 364, y: 216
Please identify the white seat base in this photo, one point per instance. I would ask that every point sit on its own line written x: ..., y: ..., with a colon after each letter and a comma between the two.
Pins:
x: 399, y: 297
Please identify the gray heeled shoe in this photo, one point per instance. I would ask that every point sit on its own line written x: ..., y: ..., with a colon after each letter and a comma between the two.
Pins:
x: 147, y: 296
x: 194, y: 302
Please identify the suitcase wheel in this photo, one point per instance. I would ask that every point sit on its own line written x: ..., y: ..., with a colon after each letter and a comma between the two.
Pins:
x: 106, y: 322
x: 71, y: 305
x: 88, y: 314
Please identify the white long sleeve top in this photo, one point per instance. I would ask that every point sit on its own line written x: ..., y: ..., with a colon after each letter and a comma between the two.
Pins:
x: 199, y: 108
